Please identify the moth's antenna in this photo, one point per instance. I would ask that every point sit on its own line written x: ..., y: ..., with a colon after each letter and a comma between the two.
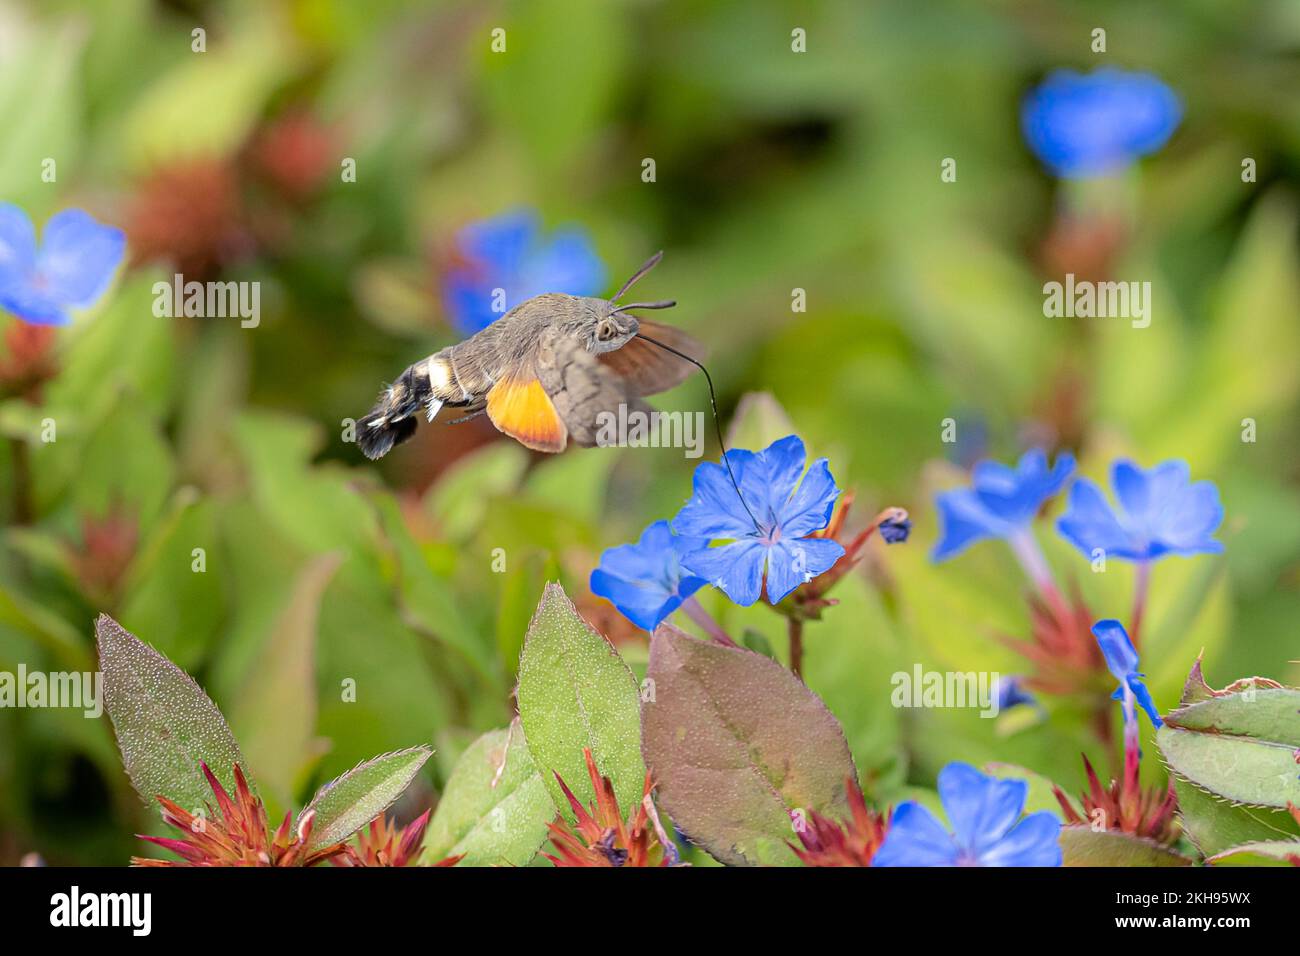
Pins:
x: 713, y: 401
x: 649, y: 264
x: 661, y: 304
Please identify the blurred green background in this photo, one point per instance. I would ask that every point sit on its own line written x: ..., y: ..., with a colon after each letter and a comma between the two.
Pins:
x: 775, y: 171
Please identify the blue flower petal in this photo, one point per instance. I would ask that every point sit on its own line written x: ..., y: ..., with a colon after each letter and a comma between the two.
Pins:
x: 1095, y: 124
x: 1162, y: 512
x: 791, y: 562
x: 509, y: 252
x: 964, y: 521
x: 568, y: 263
x: 645, y: 607
x: 809, y: 509
x: 916, y: 838
x: 1034, y: 841
x: 1116, y: 647
x: 17, y: 243
x: 500, y: 243
x: 981, y: 808
x: 645, y: 581
x: 78, y: 257
x: 1089, y: 524
x: 1000, y: 502
x: 715, y: 510
x: 1143, y: 697
x: 772, y: 477
x: 736, y: 569
x: 32, y: 304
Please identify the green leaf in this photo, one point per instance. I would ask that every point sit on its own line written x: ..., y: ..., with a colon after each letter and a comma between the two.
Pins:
x: 314, y: 507
x: 1240, y: 769
x: 1238, y: 746
x: 1272, y: 853
x: 575, y: 692
x: 1265, y: 713
x: 165, y: 725
x: 462, y: 496
x: 737, y: 744
x: 1214, y: 824
x: 276, y: 708
x: 347, y: 803
x: 181, y: 609
x: 852, y: 654
x: 759, y: 420
x: 1083, y: 846
x: 207, y: 104
x: 495, y: 809
x: 41, y: 109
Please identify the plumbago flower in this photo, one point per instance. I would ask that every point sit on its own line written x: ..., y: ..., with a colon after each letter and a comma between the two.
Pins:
x: 987, y: 826
x: 1122, y: 661
x: 499, y: 263
x: 1002, y: 503
x: 1161, y: 512
x: 1124, y: 805
x: 646, y: 581
x: 69, y: 269
x: 1089, y: 125
x: 770, y: 530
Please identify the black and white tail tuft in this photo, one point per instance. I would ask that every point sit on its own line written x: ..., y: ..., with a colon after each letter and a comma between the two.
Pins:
x: 393, y: 419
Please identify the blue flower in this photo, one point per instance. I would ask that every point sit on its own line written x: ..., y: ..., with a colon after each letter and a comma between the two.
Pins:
x: 645, y: 581
x: 895, y: 530
x: 70, y: 269
x: 1122, y: 660
x: 1162, y: 512
x: 1090, y: 125
x: 784, y: 516
x: 1001, y: 502
x: 510, y: 253
x: 984, y: 812
x: 1010, y: 692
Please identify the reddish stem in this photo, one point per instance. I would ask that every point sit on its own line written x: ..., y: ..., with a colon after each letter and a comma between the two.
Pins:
x: 796, y: 647
x: 1141, y: 585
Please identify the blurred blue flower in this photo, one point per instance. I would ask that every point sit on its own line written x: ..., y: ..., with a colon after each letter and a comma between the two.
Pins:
x: 1162, y: 512
x: 895, y: 530
x: 784, y: 516
x: 70, y: 269
x: 1122, y: 660
x: 1001, y: 502
x: 1010, y: 692
x: 645, y: 581
x: 1090, y: 125
x: 984, y: 812
x: 510, y: 252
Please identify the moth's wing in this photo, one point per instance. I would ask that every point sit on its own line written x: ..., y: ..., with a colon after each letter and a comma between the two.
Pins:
x: 520, y: 407
x: 646, y: 367
x: 581, y: 387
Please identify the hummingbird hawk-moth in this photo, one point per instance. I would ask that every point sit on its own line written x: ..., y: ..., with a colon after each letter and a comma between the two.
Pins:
x: 543, y: 373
